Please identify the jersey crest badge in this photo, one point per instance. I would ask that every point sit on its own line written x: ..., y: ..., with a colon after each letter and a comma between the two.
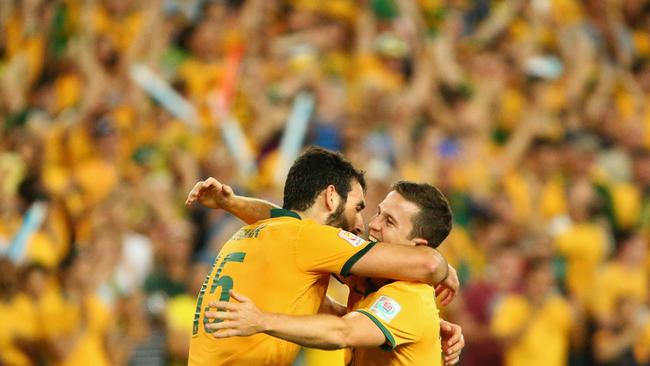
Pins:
x: 385, y: 308
x: 354, y: 240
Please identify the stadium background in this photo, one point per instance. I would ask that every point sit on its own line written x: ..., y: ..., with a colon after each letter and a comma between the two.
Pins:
x: 532, y: 116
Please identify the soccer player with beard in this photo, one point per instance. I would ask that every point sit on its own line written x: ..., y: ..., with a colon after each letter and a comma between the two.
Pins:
x: 283, y: 263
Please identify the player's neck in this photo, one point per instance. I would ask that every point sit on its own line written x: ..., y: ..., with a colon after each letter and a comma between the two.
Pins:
x: 319, y: 216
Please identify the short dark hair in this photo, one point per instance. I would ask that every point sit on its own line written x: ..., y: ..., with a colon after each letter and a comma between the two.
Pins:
x: 433, y: 222
x: 313, y: 171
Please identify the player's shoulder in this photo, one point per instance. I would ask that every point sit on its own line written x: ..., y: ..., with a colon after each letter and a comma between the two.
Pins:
x: 407, y: 287
x: 277, y: 222
x: 310, y: 227
x: 408, y: 292
x: 404, y: 300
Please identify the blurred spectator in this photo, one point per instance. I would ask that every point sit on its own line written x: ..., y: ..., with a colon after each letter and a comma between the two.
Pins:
x: 624, y: 277
x: 521, y: 321
x: 616, y: 343
x: 480, y: 300
x: 19, y: 325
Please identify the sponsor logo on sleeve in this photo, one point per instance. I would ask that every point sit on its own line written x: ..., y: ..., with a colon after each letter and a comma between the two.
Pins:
x: 354, y: 240
x: 385, y: 308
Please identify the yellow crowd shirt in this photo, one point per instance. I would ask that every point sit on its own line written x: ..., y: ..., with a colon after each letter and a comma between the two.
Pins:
x: 18, y: 322
x: 407, y: 314
x: 545, y: 341
x: 618, y: 282
x: 585, y: 246
x: 65, y: 320
x: 283, y: 264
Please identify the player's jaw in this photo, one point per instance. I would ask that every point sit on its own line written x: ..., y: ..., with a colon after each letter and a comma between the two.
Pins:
x: 338, y: 219
x: 346, y: 220
x: 347, y: 214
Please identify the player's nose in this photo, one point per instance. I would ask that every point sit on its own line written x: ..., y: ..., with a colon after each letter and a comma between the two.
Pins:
x: 374, y: 225
x: 357, y: 225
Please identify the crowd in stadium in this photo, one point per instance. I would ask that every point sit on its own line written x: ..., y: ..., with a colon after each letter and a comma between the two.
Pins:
x: 533, y: 118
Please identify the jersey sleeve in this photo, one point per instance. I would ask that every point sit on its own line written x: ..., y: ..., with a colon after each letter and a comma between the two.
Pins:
x: 397, y: 313
x: 321, y: 248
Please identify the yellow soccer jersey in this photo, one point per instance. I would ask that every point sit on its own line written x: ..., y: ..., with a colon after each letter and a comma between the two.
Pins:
x: 407, y: 314
x: 283, y: 264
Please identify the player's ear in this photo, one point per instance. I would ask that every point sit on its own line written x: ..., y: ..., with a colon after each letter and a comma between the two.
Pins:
x: 419, y: 241
x: 331, y: 198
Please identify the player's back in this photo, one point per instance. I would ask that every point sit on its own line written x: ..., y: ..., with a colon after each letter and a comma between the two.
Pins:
x: 282, y: 264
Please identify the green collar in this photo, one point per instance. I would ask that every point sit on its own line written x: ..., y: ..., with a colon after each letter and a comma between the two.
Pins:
x: 280, y: 212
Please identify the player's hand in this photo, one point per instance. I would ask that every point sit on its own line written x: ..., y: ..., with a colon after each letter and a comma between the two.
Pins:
x: 210, y: 193
x: 452, y: 342
x: 239, y: 319
x: 448, y: 288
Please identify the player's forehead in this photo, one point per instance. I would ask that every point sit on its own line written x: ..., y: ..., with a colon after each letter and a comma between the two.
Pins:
x: 399, y: 207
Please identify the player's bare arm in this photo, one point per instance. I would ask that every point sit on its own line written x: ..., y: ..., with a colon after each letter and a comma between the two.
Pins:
x: 410, y: 263
x: 322, y: 331
x: 213, y: 194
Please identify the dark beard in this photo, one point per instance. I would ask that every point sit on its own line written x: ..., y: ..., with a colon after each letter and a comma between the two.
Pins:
x: 336, y: 218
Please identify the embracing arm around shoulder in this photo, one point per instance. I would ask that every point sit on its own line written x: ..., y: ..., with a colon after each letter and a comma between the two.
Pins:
x: 410, y: 263
x: 324, y: 331
x: 213, y: 194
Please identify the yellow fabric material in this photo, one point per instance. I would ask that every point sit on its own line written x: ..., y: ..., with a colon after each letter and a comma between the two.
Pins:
x: 415, y: 327
x: 566, y: 11
x: 551, y: 201
x: 121, y: 32
x: 625, y: 104
x: 179, y: 313
x: 584, y: 246
x: 68, y: 91
x: 16, y: 317
x: 97, y: 178
x: 42, y: 249
x: 642, y: 346
x: 517, y: 191
x: 65, y: 322
x: 283, y: 265
x: 618, y: 282
x: 13, y: 32
x: 511, y: 107
x: 78, y: 144
x: 373, y: 74
x: 626, y: 199
x: 641, y: 42
x: 545, y: 341
x: 319, y: 357
x: 201, y: 77
x: 34, y: 48
x: 646, y: 125
x: 12, y: 171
